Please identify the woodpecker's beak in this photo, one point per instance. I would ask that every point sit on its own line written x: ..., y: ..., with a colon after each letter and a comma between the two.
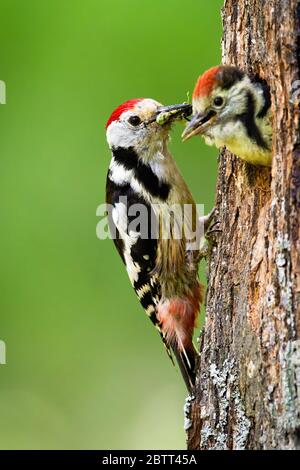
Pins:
x: 199, y: 124
x: 165, y: 114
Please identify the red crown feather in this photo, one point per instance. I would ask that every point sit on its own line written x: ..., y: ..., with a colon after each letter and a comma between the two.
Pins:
x: 206, y: 83
x: 120, y: 109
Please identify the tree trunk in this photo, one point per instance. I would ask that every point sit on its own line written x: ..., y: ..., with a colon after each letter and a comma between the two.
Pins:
x: 248, y: 380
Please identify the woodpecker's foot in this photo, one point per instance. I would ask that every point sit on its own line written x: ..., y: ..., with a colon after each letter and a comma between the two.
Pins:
x: 214, y: 228
x: 209, y: 226
x: 206, y: 220
x: 211, y: 234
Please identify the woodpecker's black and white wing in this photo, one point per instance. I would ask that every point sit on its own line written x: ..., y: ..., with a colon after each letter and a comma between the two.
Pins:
x: 136, y: 248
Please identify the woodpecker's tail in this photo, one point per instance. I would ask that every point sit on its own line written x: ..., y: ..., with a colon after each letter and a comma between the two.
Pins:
x: 177, y: 319
x: 186, y: 359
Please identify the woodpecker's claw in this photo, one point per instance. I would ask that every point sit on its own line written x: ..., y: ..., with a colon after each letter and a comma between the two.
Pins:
x: 208, y: 223
x: 175, y: 111
x: 207, y: 219
x: 207, y: 241
x: 214, y: 228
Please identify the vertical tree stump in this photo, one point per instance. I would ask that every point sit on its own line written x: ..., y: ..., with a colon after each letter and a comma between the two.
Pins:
x: 248, y: 382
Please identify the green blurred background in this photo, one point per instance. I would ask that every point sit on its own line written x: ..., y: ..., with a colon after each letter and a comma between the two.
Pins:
x: 85, y: 368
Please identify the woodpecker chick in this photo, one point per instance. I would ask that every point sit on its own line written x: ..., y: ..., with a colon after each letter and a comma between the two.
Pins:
x: 163, y: 270
x: 232, y: 109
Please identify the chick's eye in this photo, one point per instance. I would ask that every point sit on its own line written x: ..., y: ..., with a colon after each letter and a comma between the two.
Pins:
x: 218, y: 101
x: 134, y: 120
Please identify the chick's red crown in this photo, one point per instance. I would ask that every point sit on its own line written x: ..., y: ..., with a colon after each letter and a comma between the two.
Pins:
x: 206, y: 82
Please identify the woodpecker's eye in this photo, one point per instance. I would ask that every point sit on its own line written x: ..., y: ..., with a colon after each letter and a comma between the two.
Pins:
x: 218, y: 101
x: 134, y: 120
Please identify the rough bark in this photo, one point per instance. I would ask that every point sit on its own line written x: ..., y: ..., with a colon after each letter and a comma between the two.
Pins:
x: 248, y: 383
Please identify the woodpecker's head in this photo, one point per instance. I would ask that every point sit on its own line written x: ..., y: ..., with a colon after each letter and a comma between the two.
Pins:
x: 231, y: 109
x: 143, y: 124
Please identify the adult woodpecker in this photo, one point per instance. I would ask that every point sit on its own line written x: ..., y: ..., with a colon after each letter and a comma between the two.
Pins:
x: 162, y: 269
x: 232, y: 109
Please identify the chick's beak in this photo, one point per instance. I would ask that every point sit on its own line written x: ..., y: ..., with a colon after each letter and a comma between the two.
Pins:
x: 165, y: 114
x: 199, y: 124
